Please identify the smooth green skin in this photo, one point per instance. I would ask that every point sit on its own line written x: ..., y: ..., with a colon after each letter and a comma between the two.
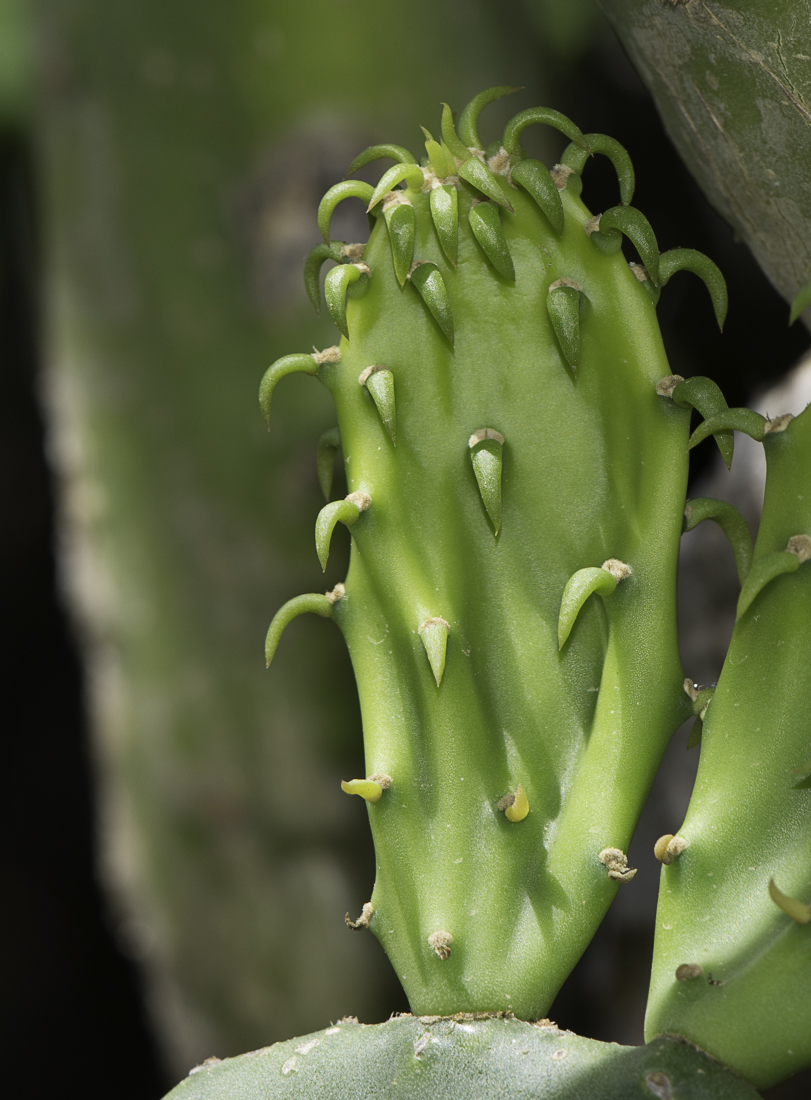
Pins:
x: 164, y: 131
x: 462, y: 1059
x: 749, y: 819
x: 732, y: 81
x: 594, y: 466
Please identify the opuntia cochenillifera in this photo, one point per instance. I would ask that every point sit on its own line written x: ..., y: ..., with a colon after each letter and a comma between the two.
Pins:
x: 732, y: 955
x: 517, y: 472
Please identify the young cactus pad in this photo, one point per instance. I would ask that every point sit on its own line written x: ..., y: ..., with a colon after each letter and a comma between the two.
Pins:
x: 732, y: 956
x: 507, y: 453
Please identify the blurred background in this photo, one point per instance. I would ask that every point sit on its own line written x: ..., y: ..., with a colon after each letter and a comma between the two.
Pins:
x: 168, y: 897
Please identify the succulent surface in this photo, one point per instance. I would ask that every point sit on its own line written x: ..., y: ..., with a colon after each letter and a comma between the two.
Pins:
x: 516, y: 492
x: 732, y: 958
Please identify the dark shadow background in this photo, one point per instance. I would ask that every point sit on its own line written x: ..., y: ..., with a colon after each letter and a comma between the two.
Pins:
x: 71, y: 1003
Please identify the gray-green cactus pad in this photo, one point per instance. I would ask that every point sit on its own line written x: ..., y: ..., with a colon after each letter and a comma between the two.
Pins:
x: 462, y: 1057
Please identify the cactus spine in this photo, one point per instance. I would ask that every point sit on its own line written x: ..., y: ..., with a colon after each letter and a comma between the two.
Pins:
x: 510, y: 601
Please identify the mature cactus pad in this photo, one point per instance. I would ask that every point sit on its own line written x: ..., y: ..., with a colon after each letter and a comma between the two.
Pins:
x: 516, y: 494
x: 430, y: 1059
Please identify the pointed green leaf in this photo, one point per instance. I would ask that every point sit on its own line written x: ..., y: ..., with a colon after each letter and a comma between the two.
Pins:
x: 485, y: 222
x: 738, y: 420
x: 445, y: 214
x: 636, y: 227
x: 730, y: 521
x: 703, y: 395
x: 801, y: 302
x: 312, y: 269
x: 427, y: 278
x: 379, y: 381
x: 763, y: 570
x: 401, y: 223
x: 339, y: 511
x: 793, y: 907
x: 411, y: 174
x: 563, y: 307
x: 486, y: 448
x: 688, y: 259
x: 539, y: 116
x: 288, y: 364
x: 346, y: 189
x: 328, y: 446
x: 535, y: 178
x: 578, y: 588
x: 450, y: 137
x: 336, y: 285
x: 694, y: 736
x: 440, y: 157
x: 469, y: 118
x: 313, y: 603
x: 575, y: 157
x: 434, y: 634
x: 378, y: 152
x: 478, y: 175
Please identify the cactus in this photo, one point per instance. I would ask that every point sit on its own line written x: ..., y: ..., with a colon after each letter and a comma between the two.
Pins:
x: 731, y: 83
x: 732, y: 958
x: 517, y: 474
x: 471, y: 1057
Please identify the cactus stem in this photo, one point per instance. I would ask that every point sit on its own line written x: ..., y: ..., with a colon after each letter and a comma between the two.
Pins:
x: 344, y: 511
x: 616, y: 864
x: 796, y: 909
x: 440, y: 944
x: 369, y: 789
x: 379, y: 381
x: 515, y: 805
x: 363, y: 920
x: 434, y: 633
x: 669, y: 847
x: 486, y: 455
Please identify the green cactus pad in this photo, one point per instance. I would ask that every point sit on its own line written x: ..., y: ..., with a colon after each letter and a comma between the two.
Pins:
x: 749, y: 819
x: 462, y: 1057
x: 453, y: 633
